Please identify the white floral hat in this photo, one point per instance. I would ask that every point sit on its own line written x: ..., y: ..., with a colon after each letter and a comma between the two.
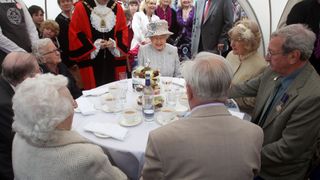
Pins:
x: 157, y: 28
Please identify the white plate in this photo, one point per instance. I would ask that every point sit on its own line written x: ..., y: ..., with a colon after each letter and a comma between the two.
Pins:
x: 105, y: 108
x: 125, y: 123
x: 100, y: 135
x: 162, y: 122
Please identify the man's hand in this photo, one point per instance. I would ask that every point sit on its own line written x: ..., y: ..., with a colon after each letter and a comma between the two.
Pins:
x: 106, y: 44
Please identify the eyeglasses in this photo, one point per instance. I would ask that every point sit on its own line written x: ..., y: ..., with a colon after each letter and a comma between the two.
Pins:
x: 270, y: 53
x: 53, y: 51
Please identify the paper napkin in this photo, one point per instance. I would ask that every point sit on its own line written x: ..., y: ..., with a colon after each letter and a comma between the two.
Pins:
x: 110, y: 129
x: 85, y: 106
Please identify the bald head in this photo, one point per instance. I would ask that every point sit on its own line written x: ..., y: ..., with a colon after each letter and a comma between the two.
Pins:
x: 18, y: 66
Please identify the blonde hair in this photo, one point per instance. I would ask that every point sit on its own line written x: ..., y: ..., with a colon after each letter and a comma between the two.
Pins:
x: 50, y: 24
x: 180, y: 3
x: 247, y: 31
x: 143, y: 4
x: 159, y: 2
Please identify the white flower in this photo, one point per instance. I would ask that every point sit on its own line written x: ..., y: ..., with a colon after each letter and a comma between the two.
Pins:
x: 246, y: 33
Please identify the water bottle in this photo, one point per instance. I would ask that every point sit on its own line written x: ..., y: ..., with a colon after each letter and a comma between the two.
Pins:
x: 147, y: 100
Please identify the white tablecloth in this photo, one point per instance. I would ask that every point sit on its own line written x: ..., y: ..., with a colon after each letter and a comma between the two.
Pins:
x: 128, y: 155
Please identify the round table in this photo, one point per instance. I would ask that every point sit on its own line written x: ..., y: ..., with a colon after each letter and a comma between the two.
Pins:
x: 128, y: 155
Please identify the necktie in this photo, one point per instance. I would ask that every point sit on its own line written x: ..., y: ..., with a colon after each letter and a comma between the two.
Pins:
x: 205, y: 14
x: 317, y: 47
x: 270, y: 102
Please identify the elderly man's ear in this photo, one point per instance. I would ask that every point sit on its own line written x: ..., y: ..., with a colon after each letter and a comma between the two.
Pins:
x: 189, y: 92
x: 294, y: 56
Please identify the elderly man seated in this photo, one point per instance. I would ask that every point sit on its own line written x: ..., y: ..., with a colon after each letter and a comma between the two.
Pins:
x: 44, y: 147
x: 15, y: 68
x: 287, y: 104
x: 210, y: 143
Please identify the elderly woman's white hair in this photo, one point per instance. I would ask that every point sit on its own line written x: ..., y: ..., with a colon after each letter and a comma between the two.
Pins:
x: 39, y: 47
x: 39, y: 106
x: 209, y: 76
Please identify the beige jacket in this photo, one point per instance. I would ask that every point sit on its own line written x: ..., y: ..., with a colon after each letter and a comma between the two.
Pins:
x: 251, y: 65
x: 208, y: 144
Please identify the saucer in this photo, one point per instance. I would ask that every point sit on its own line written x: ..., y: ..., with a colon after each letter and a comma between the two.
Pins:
x: 105, y: 108
x: 100, y: 135
x: 126, y: 123
x: 162, y: 122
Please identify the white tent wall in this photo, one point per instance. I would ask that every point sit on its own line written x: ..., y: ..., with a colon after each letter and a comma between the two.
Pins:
x: 267, y: 13
x: 52, y: 7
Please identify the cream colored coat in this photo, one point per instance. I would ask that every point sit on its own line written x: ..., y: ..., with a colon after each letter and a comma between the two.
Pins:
x: 72, y: 157
x: 208, y: 144
x: 251, y: 65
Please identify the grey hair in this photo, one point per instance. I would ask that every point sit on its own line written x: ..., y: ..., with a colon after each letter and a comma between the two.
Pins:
x: 297, y: 37
x: 39, y: 47
x: 209, y: 76
x: 39, y: 107
x: 18, y: 66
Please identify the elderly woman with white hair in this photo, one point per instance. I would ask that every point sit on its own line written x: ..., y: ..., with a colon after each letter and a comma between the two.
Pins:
x: 49, y: 59
x: 158, y: 54
x: 44, y: 146
x: 245, y: 61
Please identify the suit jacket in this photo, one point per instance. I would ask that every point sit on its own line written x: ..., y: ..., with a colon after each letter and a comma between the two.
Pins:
x: 291, y: 127
x: 208, y: 144
x: 6, y: 134
x: 214, y: 29
x: 69, y: 157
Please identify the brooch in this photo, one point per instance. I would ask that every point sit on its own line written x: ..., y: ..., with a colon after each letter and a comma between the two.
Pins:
x: 283, y: 101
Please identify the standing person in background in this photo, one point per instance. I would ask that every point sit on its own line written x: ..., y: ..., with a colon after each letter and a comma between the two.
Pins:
x: 185, y: 15
x: 63, y: 19
x: 212, y: 21
x: 133, y: 7
x: 140, y: 21
x: 238, y: 11
x: 164, y: 11
x: 246, y: 62
x: 37, y: 13
x: 99, y: 33
x: 15, y: 68
x: 50, y: 29
x: 307, y: 12
x: 17, y: 30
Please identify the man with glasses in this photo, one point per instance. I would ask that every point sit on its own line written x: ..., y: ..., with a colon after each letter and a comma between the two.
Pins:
x: 287, y: 104
x: 16, y: 67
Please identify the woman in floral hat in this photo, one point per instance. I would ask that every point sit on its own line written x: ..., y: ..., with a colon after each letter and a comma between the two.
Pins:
x: 246, y: 62
x: 158, y: 54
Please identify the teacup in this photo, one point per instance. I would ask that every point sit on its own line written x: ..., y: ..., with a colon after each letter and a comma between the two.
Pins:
x: 166, y: 115
x: 130, y: 115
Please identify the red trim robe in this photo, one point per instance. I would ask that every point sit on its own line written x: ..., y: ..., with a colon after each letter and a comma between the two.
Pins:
x: 81, y: 40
